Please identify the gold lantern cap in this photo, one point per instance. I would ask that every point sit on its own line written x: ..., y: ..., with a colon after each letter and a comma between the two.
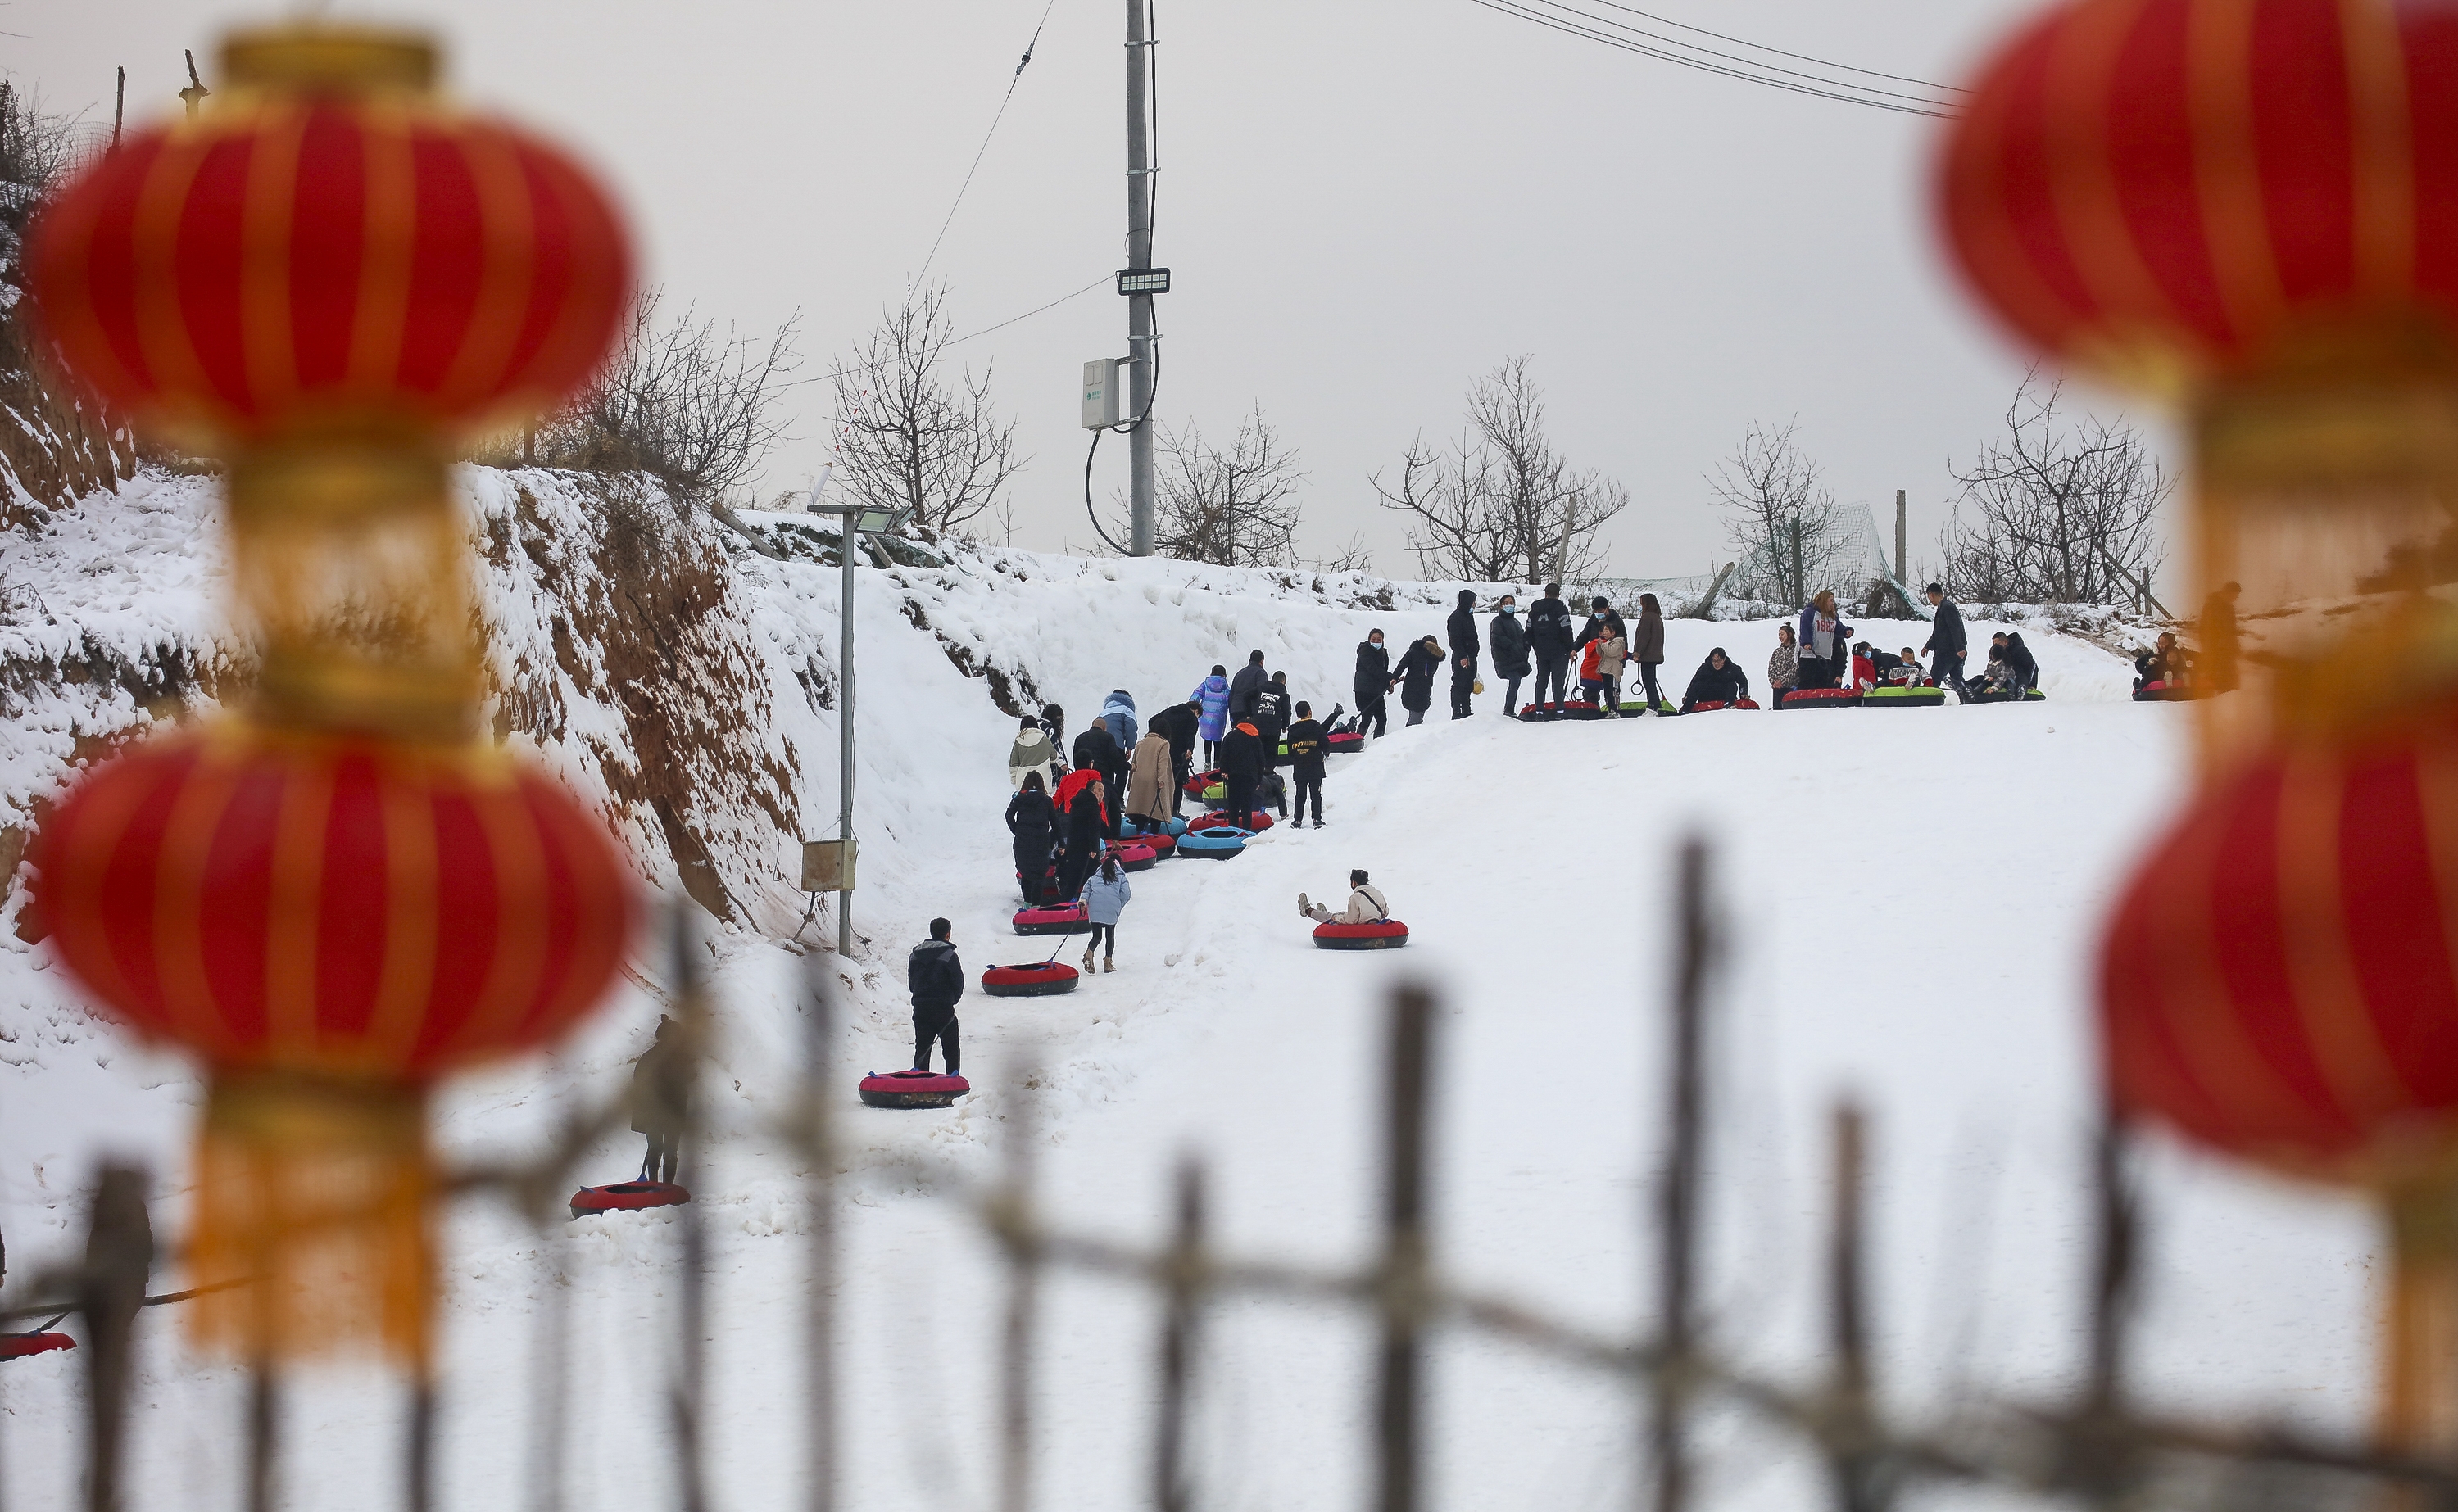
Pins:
x: 323, y: 59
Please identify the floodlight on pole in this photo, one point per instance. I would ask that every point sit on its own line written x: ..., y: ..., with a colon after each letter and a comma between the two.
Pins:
x: 1143, y: 281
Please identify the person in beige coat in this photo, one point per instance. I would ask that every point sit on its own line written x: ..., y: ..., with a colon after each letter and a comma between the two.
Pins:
x: 1365, y: 904
x: 1151, y: 772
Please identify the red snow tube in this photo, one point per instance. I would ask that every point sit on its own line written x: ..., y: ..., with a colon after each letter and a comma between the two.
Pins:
x: 1039, y: 979
x: 1581, y: 709
x: 1819, y: 699
x: 1162, y: 847
x: 1196, y: 784
x: 1345, y: 744
x: 1388, y: 935
x: 17, y: 1346
x: 1710, y: 704
x: 627, y: 1196
x: 1067, y: 919
x: 1539, y: 711
x: 1135, y: 856
x: 1217, y: 817
x: 912, y: 1089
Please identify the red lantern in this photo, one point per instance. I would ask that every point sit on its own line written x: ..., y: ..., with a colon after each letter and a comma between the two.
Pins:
x: 337, y: 917
x: 2251, y: 207
x: 333, y: 278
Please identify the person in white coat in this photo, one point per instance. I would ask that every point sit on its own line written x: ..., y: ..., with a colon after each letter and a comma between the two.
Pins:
x: 1366, y: 904
x: 1031, y: 751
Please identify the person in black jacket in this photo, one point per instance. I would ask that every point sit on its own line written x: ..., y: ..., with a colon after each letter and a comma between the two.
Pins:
x: 1717, y: 681
x: 1243, y: 687
x: 1053, y: 724
x: 1307, y: 747
x: 1271, y: 715
x: 936, y: 979
x: 1096, y: 750
x: 1415, y: 675
x: 1373, y: 682
x: 1947, y: 644
x: 661, y: 1101
x: 1548, y: 638
x: 1241, y: 767
x: 1179, y: 724
x: 1601, y: 619
x: 2025, y: 671
x: 1088, y: 834
x: 1508, y: 640
x: 1030, y: 816
x: 1464, y: 650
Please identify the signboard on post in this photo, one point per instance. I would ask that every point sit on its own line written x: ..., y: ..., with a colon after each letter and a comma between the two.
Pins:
x: 827, y: 865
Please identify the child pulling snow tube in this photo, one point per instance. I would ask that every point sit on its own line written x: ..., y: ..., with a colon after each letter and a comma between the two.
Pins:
x: 1901, y: 698
x: 1135, y: 856
x: 1067, y: 919
x: 1038, y: 979
x: 1388, y: 935
x: 1221, y: 818
x: 17, y: 1346
x: 1196, y: 784
x: 1818, y: 698
x: 1218, y: 843
x: 627, y: 1196
x: 1348, y: 742
x: 912, y: 1089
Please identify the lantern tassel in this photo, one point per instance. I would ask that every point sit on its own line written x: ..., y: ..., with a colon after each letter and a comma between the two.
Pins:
x: 318, y: 1191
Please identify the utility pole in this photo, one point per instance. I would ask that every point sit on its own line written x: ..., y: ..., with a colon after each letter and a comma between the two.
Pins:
x: 1899, y: 539
x: 1141, y: 345
x: 195, y: 91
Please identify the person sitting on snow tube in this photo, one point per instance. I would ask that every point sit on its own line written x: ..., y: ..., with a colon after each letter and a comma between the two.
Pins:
x: 2025, y: 671
x: 1989, y: 685
x: 2165, y: 663
x: 1030, y: 816
x: 1365, y: 906
x: 936, y: 979
x: 1865, y: 668
x: 1715, y: 681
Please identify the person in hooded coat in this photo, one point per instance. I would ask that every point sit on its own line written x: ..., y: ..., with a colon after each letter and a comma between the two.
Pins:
x: 1461, y: 627
x: 1647, y: 649
x: 1717, y: 681
x: 1031, y: 752
x: 1053, y: 724
x: 1241, y: 768
x: 1212, y: 697
x: 1244, y: 687
x: 661, y: 1102
x: 1118, y: 714
x: 1549, y: 641
x: 1088, y: 835
x: 1031, y: 819
x: 1179, y: 724
x: 2023, y: 672
x: 1098, y: 750
x: 1151, y: 777
x: 1271, y: 717
x: 1508, y: 639
x: 936, y: 979
x: 1373, y: 684
x: 1415, y: 675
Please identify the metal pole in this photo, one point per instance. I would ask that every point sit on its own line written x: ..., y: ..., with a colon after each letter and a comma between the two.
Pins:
x: 845, y: 729
x: 1139, y: 307
x: 1900, y: 538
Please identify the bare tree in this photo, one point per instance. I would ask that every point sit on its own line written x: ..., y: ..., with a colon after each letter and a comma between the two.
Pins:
x: 1791, y: 538
x: 1500, y: 503
x: 1236, y: 507
x: 678, y: 402
x: 2058, y: 510
x: 909, y: 438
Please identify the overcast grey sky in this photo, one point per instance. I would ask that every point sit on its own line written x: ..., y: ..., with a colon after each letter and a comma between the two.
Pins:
x: 1366, y: 203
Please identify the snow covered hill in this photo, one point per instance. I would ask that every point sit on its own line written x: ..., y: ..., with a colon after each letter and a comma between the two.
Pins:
x: 1911, y: 899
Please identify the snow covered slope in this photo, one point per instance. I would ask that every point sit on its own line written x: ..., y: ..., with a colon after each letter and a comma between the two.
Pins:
x: 1911, y: 898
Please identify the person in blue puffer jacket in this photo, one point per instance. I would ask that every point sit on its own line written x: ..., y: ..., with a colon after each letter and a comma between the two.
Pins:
x: 1118, y: 713
x: 1213, y: 694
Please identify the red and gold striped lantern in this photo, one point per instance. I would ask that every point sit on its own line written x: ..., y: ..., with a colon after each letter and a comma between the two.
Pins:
x: 2249, y: 207
x: 330, y: 923
x: 333, y: 278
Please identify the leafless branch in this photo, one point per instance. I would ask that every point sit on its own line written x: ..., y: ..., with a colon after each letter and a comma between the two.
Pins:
x: 908, y: 436
x: 2056, y: 510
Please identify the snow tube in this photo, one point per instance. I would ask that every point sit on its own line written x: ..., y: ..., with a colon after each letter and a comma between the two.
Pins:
x: 627, y: 1196
x: 2028, y: 696
x: 1150, y: 829
x: 1196, y: 784
x: 2034, y: 695
x: 1345, y: 744
x: 2164, y: 692
x: 1895, y: 697
x: 912, y: 1089
x: 1710, y: 705
x: 1388, y: 935
x: 1067, y: 919
x: 1038, y: 979
x: 1133, y: 857
x: 1579, y: 708
x: 17, y: 1346
x: 1222, y: 819
x: 1162, y: 847
x: 1632, y: 711
x: 1215, y: 844
x: 1819, y: 699
x: 1539, y: 711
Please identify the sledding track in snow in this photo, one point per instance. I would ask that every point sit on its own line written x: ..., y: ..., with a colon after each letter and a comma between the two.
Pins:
x: 1911, y: 899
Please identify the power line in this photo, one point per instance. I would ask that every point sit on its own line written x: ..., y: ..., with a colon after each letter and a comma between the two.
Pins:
x: 1761, y: 47
x: 978, y: 154
x: 1732, y: 57
x: 1836, y: 90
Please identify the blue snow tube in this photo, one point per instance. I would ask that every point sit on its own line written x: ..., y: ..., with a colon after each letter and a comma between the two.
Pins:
x: 1172, y: 826
x: 1214, y: 843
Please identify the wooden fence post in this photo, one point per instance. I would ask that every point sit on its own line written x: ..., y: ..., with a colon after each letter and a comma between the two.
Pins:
x: 1171, y: 1492
x: 1404, y: 1247
x: 1678, y: 1186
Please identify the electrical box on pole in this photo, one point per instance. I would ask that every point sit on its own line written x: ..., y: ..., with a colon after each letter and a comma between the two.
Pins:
x: 1102, y: 393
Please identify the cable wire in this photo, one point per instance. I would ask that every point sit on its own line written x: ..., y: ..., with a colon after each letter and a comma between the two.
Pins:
x: 1090, y: 512
x: 978, y: 154
x: 1732, y: 57
x: 1761, y: 47
x: 1837, y: 92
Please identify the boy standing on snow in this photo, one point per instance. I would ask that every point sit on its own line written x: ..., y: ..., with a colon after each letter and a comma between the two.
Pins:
x: 1306, y: 747
x: 936, y: 979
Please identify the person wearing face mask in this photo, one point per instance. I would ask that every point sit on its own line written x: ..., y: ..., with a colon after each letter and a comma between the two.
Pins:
x: 1373, y: 682
x: 1549, y: 640
x: 1508, y: 639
